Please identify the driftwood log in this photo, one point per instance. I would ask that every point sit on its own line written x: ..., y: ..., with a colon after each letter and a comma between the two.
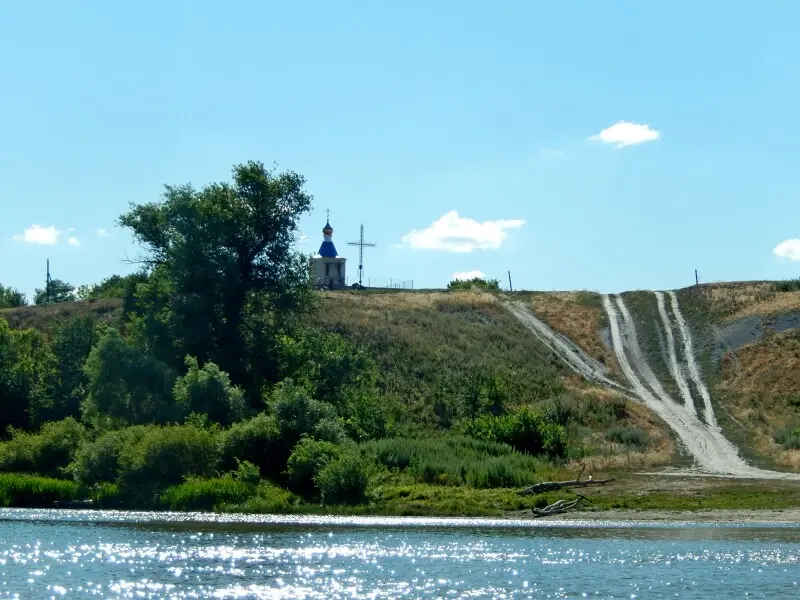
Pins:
x: 551, y: 486
x: 559, y: 507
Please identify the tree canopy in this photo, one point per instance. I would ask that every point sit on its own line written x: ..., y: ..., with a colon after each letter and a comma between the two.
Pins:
x: 223, y: 273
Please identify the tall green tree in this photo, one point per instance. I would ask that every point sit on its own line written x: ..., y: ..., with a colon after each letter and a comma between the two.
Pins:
x: 223, y: 272
x: 11, y: 297
x: 57, y: 291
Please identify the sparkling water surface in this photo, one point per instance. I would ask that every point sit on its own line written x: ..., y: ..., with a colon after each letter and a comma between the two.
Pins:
x: 107, y: 554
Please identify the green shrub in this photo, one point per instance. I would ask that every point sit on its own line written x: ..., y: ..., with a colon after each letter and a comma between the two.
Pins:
x: 33, y: 491
x: 633, y: 437
x: 491, y: 285
x: 205, y: 494
x: 98, y: 461
x: 344, y: 480
x: 330, y: 430
x: 208, y: 391
x: 166, y: 455
x: 308, y: 458
x: 457, y: 460
x: 788, y: 437
x: 296, y: 412
x: 47, y: 452
x: 788, y: 285
x: 523, y: 430
x: 266, y: 498
x: 126, y: 385
x: 247, y: 473
x: 257, y: 441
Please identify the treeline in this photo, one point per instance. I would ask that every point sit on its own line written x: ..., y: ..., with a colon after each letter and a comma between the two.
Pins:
x: 213, y: 390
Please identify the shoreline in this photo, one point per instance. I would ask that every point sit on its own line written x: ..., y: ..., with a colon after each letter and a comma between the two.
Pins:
x: 788, y: 515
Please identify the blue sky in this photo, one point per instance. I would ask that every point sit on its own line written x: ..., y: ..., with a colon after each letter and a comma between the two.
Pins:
x: 581, y: 145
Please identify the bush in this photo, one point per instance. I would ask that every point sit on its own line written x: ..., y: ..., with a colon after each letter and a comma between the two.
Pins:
x: 788, y: 285
x: 492, y: 285
x: 47, y: 452
x: 308, y: 458
x: 205, y: 494
x: 126, y: 385
x: 257, y: 441
x: 32, y: 491
x: 98, y: 461
x: 165, y: 456
x: 208, y: 391
x: 788, y: 437
x: 296, y: 412
x: 330, y: 430
x: 524, y: 430
x: 344, y: 480
x: 457, y: 460
x: 633, y: 437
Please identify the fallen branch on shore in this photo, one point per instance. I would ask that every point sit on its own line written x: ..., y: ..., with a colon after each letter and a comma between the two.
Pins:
x: 551, y: 486
x: 559, y: 507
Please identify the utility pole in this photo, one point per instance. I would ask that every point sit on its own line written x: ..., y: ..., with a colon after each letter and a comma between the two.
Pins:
x: 47, y: 283
x: 361, y: 245
x: 510, y: 287
x: 696, y: 278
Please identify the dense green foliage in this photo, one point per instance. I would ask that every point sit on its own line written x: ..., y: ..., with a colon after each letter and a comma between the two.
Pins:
x: 457, y: 460
x: 787, y: 285
x: 490, y: 285
x: 788, y: 437
x: 55, y: 291
x: 11, y: 297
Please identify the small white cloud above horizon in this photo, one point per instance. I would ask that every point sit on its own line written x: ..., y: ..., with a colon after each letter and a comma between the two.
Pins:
x: 625, y: 133
x: 103, y: 232
x: 468, y: 275
x: 453, y: 233
x: 36, y: 234
x: 73, y: 241
x: 789, y: 249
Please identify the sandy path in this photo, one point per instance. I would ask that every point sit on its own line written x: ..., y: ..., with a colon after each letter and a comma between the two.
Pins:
x: 713, y: 452
x: 563, y: 347
x: 675, y: 369
x: 694, y: 370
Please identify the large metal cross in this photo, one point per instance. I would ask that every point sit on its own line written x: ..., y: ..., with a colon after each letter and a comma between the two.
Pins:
x: 361, y: 245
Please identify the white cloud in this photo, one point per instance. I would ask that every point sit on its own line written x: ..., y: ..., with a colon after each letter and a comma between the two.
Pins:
x: 788, y: 249
x: 73, y: 241
x: 467, y: 275
x: 624, y: 133
x: 36, y: 234
x: 456, y: 234
x: 102, y: 232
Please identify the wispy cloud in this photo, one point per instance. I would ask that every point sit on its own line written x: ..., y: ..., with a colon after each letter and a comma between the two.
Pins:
x: 103, y: 232
x: 789, y: 249
x: 625, y: 133
x: 453, y: 233
x: 467, y: 275
x: 73, y: 241
x: 36, y: 234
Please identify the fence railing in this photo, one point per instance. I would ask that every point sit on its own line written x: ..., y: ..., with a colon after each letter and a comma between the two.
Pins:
x: 386, y: 283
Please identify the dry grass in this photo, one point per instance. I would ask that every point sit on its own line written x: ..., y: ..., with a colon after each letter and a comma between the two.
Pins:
x: 45, y: 317
x: 569, y: 314
x: 661, y: 451
x: 759, y: 386
x: 731, y: 301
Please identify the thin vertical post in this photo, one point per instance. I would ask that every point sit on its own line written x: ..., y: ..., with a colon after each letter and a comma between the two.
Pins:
x: 696, y: 278
x: 510, y: 287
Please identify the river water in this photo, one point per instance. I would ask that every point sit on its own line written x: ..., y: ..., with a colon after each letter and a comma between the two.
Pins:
x: 106, y: 554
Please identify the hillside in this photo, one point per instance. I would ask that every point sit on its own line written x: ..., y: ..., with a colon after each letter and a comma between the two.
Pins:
x: 432, y: 347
